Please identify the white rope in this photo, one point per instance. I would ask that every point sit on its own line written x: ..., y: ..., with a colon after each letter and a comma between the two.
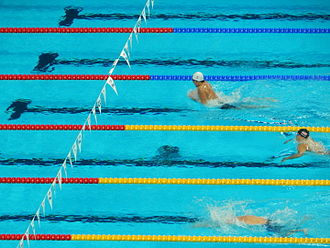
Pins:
x: 76, y: 146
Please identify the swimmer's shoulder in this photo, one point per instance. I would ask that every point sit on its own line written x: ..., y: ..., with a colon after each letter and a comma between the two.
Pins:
x: 302, y: 147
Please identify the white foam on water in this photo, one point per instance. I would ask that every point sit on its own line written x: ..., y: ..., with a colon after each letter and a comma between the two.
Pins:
x: 221, y: 216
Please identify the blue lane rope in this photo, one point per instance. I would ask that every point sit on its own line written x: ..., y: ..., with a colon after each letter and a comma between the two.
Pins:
x: 252, y: 30
x: 244, y: 78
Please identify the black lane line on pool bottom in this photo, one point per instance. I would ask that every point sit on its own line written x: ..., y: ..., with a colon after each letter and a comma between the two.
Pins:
x: 157, y: 162
x: 164, y: 219
x: 48, y: 61
x: 72, y: 13
x: 20, y: 106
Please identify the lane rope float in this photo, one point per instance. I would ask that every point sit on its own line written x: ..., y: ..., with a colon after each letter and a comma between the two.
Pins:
x: 164, y: 238
x: 182, y: 181
x: 163, y: 77
x: 165, y: 30
x: 40, y: 127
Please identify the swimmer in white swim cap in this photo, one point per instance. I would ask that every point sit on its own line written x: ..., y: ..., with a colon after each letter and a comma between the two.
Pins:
x: 204, y: 92
x: 198, y: 77
x: 206, y: 95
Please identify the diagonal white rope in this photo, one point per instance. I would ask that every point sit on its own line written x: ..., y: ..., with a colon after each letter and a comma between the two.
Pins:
x: 76, y: 147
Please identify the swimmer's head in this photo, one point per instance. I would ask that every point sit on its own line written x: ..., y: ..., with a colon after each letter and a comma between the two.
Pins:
x: 198, y: 77
x: 303, y: 133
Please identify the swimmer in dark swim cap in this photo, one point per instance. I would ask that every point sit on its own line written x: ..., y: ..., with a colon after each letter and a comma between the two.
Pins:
x: 303, y: 133
x: 306, y: 143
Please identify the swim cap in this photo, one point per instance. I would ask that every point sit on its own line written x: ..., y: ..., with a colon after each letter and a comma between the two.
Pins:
x: 198, y: 76
x: 303, y: 133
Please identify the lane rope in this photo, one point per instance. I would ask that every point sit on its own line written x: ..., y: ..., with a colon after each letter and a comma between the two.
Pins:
x: 164, y: 30
x: 38, y: 127
x: 183, y: 181
x: 164, y: 238
x: 164, y: 77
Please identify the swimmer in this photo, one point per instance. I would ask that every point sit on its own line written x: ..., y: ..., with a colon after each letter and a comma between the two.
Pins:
x: 204, y: 90
x: 252, y: 220
x: 268, y: 224
x: 306, y: 143
x: 205, y: 95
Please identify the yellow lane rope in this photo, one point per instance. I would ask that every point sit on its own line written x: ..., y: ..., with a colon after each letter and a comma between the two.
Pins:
x: 174, y: 238
x: 206, y: 181
x: 223, y: 128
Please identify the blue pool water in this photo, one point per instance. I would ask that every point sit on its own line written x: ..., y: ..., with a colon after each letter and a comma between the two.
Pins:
x: 157, y: 209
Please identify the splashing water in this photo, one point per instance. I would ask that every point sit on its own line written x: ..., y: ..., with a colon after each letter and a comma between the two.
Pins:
x: 285, y: 217
x: 314, y: 146
x: 235, y: 98
x: 222, y: 217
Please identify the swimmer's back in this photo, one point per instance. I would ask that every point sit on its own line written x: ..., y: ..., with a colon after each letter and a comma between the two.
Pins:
x: 206, y: 93
x: 252, y: 220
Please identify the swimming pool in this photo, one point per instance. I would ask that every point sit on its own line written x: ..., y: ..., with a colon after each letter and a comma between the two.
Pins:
x: 165, y: 209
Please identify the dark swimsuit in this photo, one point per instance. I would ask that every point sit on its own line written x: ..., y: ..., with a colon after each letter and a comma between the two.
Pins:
x: 271, y: 227
x: 227, y: 106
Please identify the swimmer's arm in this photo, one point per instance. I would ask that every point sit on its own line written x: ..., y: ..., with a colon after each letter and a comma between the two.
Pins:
x: 301, y: 150
x: 192, y: 96
x: 287, y: 141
